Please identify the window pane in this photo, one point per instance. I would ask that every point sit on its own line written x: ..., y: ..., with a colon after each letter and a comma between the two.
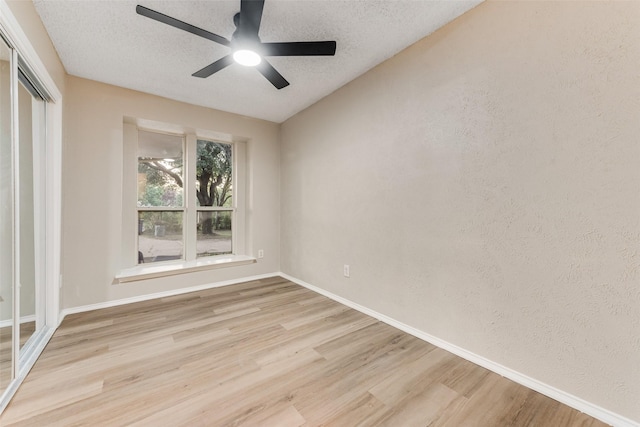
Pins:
x: 160, y: 163
x: 159, y: 236
x: 214, y: 233
x: 213, y: 174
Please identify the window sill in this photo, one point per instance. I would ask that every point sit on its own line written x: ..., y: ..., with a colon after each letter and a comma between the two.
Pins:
x: 151, y: 271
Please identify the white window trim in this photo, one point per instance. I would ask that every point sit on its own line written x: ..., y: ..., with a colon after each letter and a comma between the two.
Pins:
x: 131, y: 271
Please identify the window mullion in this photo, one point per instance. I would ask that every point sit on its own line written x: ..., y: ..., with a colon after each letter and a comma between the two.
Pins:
x: 239, y: 197
x: 190, y: 219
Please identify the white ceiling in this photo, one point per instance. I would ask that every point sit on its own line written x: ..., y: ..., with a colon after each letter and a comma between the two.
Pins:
x: 108, y: 42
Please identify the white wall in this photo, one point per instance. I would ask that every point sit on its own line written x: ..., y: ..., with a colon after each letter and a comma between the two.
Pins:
x: 484, y: 186
x: 92, y: 189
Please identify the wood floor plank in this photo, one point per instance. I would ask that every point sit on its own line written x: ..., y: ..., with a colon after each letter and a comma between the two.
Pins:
x: 495, y: 392
x: 420, y: 409
x: 363, y: 410
x: 261, y: 353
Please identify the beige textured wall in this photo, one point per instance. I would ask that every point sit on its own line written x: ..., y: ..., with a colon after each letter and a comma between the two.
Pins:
x: 484, y: 186
x: 92, y: 183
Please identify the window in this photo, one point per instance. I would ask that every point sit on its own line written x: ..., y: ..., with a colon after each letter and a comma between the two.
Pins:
x: 160, y: 197
x: 214, y: 190
x: 174, y: 224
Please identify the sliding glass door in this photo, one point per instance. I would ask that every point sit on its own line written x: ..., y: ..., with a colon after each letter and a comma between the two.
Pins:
x: 30, y: 197
x: 23, y: 216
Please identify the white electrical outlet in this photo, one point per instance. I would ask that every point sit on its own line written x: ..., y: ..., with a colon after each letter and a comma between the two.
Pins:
x: 260, y: 253
x: 346, y: 270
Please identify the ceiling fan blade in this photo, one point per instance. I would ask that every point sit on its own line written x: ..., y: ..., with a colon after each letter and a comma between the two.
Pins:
x: 250, y: 17
x: 221, y: 63
x: 327, y: 48
x: 161, y: 17
x: 272, y: 74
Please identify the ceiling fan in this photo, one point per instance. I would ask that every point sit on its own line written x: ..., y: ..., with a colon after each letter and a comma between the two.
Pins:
x: 246, y: 45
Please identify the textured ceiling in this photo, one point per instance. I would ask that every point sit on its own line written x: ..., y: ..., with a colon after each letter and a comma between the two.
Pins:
x: 108, y: 42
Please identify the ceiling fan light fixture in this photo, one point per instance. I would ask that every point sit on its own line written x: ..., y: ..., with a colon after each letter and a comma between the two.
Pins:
x: 246, y: 57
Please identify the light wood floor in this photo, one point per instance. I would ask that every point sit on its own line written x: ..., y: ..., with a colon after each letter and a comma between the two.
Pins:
x: 263, y: 353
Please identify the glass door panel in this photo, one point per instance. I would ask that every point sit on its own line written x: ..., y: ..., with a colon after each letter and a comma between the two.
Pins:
x: 31, y: 134
x: 6, y: 221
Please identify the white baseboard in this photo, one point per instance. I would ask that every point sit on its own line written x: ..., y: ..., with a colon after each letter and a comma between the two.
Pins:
x: 568, y: 399
x: 164, y: 294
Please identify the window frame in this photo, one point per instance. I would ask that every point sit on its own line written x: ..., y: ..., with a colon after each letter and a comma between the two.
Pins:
x: 130, y: 269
